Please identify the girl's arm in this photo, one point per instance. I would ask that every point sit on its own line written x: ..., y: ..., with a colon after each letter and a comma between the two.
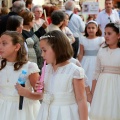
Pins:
x: 93, y: 86
x: 87, y: 88
x: 79, y: 89
x: 33, y: 78
x: 88, y: 94
x: 81, y: 53
x: 97, y: 71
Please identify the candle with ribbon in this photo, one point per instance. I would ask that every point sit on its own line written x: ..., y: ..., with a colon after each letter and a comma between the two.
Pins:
x: 42, y: 77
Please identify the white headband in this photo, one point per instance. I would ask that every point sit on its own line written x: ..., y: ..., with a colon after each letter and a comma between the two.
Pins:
x: 46, y: 36
x: 117, y: 25
x: 92, y: 21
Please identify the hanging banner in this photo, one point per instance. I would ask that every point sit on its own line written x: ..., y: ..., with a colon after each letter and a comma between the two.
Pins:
x: 90, y: 8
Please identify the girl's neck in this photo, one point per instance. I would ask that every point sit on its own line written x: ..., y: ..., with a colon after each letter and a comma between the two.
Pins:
x: 11, y: 60
x: 113, y: 46
x: 26, y: 27
x: 91, y: 37
x: 59, y: 65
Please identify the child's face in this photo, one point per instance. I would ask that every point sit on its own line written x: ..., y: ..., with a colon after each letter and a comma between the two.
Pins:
x: 66, y: 20
x: 47, y: 52
x: 7, y: 49
x: 111, y: 37
x: 91, y: 29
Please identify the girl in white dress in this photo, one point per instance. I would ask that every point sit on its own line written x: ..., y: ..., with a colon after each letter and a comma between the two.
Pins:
x: 13, y: 61
x: 66, y: 30
x: 63, y: 97
x: 89, y: 47
x: 106, y: 84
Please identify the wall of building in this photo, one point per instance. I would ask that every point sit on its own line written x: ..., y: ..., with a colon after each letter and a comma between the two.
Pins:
x: 0, y: 2
x: 101, y: 4
x: 7, y: 3
x: 41, y: 2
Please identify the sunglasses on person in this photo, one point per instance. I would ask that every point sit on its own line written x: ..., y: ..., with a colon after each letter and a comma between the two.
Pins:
x: 109, y: 19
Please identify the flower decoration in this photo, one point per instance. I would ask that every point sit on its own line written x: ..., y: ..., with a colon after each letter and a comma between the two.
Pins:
x: 117, y: 24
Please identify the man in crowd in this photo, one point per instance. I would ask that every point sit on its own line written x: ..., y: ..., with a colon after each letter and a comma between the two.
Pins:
x: 76, y: 25
x: 107, y: 15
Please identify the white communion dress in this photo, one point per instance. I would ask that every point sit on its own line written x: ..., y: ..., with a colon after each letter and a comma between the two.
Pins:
x: 91, y: 47
x: 9, y: 97
x: 106, y: 99
x: 59, y: 101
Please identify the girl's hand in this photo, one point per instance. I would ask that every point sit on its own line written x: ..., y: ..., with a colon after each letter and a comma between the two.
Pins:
x: 22, y: 91
x: 89, y: 97
x: 39, y: 85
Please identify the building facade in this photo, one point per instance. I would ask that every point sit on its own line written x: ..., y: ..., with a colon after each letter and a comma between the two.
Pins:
x: 59, y: 2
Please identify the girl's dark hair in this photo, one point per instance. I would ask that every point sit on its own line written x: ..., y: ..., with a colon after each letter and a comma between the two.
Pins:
x: 14, y: 22
x: 98, y: 33
x: 60, y: 45
x: 57, y: 16
x: 21, y: 55
x: 115, y: 29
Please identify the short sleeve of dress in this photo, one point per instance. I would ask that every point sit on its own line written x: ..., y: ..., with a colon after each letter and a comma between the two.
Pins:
x: 81, y: 40
x: 33, y: 68
x: 79, y: 73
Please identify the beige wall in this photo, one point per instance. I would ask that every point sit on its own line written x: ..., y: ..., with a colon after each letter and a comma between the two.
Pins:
x: 0, y: 2
x: 41, y: 2
x: 101, y: 4
x: 7, y: 3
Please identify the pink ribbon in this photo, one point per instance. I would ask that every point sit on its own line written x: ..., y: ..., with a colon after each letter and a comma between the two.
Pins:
x: 42, y: 77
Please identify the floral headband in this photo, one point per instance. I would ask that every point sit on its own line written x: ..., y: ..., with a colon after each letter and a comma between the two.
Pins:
x: 117, y: 25
x: 46, y: 36
x: 92, y: 21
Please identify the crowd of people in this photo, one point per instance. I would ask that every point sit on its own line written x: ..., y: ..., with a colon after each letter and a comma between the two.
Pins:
x: 80, y: 77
